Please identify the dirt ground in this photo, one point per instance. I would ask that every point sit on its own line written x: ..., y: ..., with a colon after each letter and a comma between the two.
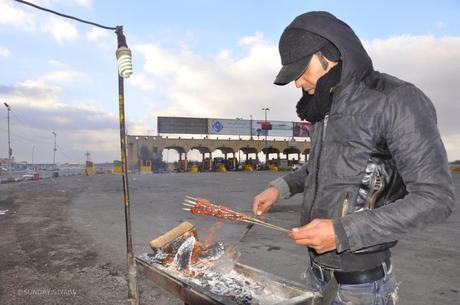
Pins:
x: 62, y: 240
x: 44, y: 260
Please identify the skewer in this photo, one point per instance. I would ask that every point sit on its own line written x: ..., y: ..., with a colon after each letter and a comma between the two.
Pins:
x: 187, y: 201
x: 267, y: 225
x: 191, y: 204
x: 193, y: 200
x: 190, y: 201
x: 263, y: 223
x: 254, y: 220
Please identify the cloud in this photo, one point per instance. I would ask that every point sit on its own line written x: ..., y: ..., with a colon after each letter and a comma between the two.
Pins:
x: 440, y: 25
x: 231, y: 83
x: 60, y: 29
x: 42, y: 92
x: 96, y: 34
x: 431, y: 63
x: 63, y: 76
x: 218, y: 86
x: 452, y: 144
x: 257, y: 38
x: 56, y: 63
x: 39, y: 109
x: 17, y: 15
x: 11, y: 15
x: 4, y: 52
x: 229, y: 86
x: 141, y: 81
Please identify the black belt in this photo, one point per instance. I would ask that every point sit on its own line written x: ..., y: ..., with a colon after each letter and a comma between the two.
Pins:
x: 351, y: 277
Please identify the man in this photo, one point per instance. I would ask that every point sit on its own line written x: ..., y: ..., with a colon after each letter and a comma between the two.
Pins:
x: 377, y: 168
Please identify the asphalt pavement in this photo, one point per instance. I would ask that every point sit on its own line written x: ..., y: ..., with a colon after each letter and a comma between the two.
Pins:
x: 426, y: 262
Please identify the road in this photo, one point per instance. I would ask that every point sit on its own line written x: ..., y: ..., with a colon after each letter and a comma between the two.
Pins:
x: 90, y: 215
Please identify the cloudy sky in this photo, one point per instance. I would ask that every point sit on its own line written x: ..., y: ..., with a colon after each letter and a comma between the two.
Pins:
x: 198, y: 58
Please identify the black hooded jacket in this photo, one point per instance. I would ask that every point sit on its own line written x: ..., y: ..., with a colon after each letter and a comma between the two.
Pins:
x: 373, y: 117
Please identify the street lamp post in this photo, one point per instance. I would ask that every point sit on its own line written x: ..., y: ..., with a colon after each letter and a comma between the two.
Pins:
x: 54, y: 149
x: 124, y: 71
x: 239, y: 148
x: 266, y: 134
x: 250, y: 126
x: 10, y: 151
x: 124, y: 61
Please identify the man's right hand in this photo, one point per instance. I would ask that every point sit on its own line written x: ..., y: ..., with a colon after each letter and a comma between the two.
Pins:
x: 264, y: 201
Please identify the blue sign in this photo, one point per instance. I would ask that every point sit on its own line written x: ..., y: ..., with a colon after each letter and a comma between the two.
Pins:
x: 217, y: 126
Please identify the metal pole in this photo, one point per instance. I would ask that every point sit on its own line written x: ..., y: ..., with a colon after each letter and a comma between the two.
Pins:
x: 250, y: 126
x: 138, y: 155
x: 121, y: 41
x: 132, y: 284
x: 10, y: 151
x: 266, y: 134
x: 54, y: 149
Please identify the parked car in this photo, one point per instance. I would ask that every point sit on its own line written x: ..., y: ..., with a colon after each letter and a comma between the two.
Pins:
x: 27, y: 177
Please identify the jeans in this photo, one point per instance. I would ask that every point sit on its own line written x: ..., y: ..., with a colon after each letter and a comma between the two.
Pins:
x: 380, y: 292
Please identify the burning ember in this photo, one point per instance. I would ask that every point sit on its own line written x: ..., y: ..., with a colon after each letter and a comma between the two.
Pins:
x: 209, y: 268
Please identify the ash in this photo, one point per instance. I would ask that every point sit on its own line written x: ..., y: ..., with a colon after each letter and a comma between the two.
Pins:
x: 225, y: 285
x: 230, y: 287
x: 159, y: 257
x: 183, y: 258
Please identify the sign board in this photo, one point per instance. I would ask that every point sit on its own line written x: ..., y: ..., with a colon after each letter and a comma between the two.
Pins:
x: 301, y: 129
x: 278, y: 128
x: 214, y: 126
x: 229, y: 127
x: 181, y: 125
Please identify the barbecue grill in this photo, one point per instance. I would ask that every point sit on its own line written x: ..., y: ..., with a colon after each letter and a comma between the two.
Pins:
x: 279, y: 291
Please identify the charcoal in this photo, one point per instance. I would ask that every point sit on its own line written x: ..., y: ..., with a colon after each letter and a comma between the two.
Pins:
x: 183, y: 258
x: 158, y: 257
x: 213, y: 252
x: 175, y: 245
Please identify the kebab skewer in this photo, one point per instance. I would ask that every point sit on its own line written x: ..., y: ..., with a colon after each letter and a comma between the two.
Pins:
x: 201, y: 206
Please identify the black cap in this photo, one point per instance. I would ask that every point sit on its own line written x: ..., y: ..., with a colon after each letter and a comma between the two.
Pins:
x: 296, y: 48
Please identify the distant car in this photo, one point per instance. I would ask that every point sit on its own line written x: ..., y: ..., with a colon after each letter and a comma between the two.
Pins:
x: 28, y: 177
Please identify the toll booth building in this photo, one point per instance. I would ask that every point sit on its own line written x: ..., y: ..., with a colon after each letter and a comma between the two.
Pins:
x: 145, y: 153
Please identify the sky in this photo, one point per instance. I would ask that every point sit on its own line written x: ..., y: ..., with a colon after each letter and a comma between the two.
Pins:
x: 197, y: 58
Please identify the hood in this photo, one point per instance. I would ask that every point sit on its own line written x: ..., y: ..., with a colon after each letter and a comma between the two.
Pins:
x: 356, y: 63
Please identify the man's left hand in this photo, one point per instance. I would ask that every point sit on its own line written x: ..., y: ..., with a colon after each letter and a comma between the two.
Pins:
x: 319, y: 234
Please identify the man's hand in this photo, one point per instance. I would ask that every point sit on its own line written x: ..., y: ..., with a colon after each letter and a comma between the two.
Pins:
x: 319, y: 234
x: 264, y: 201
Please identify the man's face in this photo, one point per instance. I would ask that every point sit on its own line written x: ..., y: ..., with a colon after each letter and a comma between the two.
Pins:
x: 307, y: 81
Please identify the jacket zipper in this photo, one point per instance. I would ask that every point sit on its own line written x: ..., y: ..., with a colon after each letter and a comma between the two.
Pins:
x: 323, y: 137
